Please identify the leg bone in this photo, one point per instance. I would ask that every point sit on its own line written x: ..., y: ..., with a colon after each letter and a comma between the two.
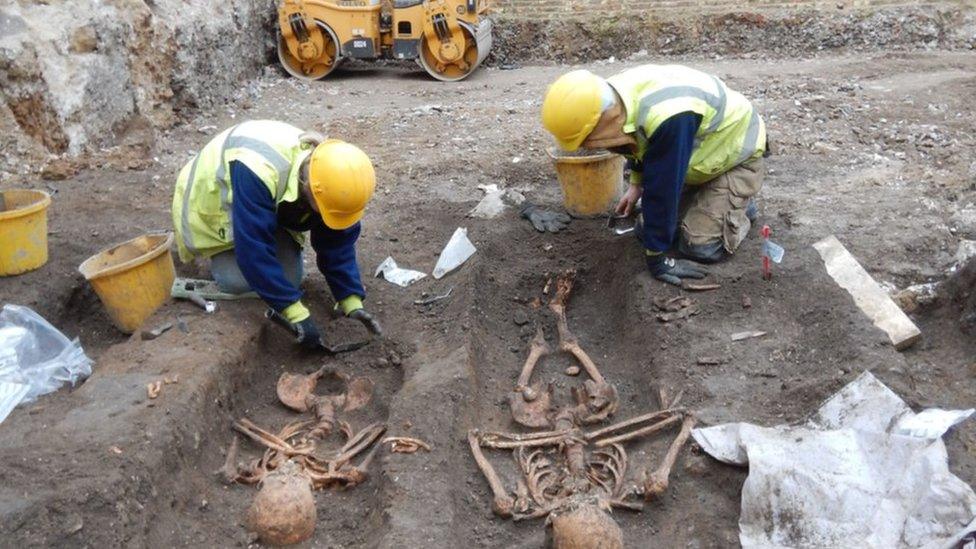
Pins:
x: 537, y: 349
x: 657, y: 482
x: 503, y: 503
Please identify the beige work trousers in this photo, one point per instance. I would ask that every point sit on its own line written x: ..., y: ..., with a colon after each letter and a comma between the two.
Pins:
x: 716, y: 210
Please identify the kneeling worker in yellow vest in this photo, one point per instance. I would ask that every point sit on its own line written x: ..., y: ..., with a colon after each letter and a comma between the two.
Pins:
x: 695, y: 149
x: 247, y: 197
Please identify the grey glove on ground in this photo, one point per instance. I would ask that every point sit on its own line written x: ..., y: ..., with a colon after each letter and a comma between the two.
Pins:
x: 545, y: 220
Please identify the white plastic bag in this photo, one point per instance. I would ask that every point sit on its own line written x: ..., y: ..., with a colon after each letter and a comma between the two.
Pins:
x: 35, y: 358
x: 455, y: 253
x: 393, y: 273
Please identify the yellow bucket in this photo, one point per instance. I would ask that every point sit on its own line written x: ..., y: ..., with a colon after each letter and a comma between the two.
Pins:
x: 591, y: 184
x: 23, y: 230
x: 132, y: 279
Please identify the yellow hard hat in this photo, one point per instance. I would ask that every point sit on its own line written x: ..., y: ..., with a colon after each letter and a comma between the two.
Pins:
x: 573, y: 106
x: 342, y: 180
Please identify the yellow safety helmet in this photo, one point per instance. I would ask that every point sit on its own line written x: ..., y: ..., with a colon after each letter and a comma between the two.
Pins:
x: 573, y: 106
x: 341, y: 179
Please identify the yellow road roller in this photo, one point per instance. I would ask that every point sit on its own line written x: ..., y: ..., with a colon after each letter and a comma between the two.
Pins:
x: 449, y: 38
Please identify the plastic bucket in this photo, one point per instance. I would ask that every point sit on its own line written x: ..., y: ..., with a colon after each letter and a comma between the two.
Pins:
x: 132, y: 279
x: 591, y: 183
x: 23, y: 230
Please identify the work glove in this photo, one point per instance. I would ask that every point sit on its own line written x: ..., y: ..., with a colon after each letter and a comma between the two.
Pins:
x: 545, y: 220
x: 352, y: 307
x: 672, y: 270
x: 308, y: 335
x: 367, y: 319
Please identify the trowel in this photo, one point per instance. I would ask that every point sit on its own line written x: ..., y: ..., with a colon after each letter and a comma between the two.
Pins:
x: 276, y: 317
x: 624, y: 224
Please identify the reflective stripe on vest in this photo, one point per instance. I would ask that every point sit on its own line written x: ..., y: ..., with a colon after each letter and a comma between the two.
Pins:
x: 185, y: 212
x: 716, y: 102
x: 751, y: 143
x: 280, y: 163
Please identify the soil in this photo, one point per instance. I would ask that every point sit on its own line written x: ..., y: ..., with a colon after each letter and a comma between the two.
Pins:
x: 876, y: 148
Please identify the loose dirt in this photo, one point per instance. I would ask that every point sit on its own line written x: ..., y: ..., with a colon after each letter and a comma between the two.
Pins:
x: 875, y: 148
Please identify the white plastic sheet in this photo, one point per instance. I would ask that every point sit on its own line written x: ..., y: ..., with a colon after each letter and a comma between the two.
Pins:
x: 389, y: 270
x: 495, y: 201
x: 458, y: 250
x: 35, y: 358
x: 864, y: 471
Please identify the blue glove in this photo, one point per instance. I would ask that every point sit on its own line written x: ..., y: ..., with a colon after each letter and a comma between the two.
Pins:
x: 672, y: 270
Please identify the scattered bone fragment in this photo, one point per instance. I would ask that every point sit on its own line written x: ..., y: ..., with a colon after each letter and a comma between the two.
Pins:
x: 153, y: 389
x: 169, y: 380
x: 406, y: 445
x: 149, y: 335
x: 573, y: 371
x: 699, y: 287
x: 740, y: 336
x: 674, y: 304
x: 676, y: 308
x: 228, y: 472
x: 678, y: 315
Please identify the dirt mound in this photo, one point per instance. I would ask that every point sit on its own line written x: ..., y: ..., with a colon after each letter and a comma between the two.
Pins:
x: 959, y: 295
x: 779, y: 33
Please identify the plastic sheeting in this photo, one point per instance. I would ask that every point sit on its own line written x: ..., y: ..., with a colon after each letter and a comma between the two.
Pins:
x: 458, y: 250
x: 35, y: 358
x: 864, y: 471
x: 391, y: 272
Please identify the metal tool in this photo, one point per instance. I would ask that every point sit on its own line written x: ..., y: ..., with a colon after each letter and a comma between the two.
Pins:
x: 621, y: 224
x: 435, y: 298
x: 276, y: 317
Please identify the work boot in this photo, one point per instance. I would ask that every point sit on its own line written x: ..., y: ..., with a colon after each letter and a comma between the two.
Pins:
x: 712, y: 252
x: 752, y: 210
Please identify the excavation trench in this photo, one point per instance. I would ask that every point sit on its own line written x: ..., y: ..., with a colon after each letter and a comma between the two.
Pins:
x: 134, y: 470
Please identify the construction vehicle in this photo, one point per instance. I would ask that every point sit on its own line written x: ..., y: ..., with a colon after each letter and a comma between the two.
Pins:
x: 448, y: 38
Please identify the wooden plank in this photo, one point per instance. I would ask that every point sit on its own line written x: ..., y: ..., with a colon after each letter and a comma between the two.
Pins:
x: 867, y: 294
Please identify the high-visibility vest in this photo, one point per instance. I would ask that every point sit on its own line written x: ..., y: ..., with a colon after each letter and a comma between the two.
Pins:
x: 731, y: 131
x: 203, y: 197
